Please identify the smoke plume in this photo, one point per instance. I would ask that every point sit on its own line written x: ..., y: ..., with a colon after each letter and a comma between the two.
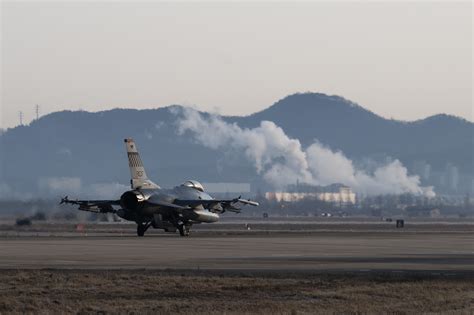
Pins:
x: 282, y: 160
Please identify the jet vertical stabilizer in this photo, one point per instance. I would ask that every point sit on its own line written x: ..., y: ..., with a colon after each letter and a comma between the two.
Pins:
x: 137, y: 170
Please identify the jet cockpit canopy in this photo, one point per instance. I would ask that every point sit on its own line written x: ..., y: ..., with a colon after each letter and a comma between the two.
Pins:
x: 193, y: 184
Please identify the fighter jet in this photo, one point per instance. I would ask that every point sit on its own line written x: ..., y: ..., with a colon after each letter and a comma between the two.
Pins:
x: 151, y: 206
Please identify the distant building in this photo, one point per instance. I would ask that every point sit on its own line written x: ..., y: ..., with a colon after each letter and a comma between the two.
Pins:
x: 336, y: 193
x: 452, y: 177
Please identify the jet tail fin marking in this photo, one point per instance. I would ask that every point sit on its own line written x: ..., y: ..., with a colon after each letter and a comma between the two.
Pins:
x: 137, y: 170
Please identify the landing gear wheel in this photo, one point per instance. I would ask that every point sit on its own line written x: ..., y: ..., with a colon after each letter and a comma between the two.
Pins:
x: 183, y: 230
x: 141, y: 229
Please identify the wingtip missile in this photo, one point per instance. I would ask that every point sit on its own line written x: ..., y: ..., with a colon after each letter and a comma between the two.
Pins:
x: 64, y: 200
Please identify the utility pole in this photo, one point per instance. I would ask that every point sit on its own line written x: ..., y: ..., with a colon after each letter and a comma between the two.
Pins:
x: 37, y: 110
x: 20, y: 114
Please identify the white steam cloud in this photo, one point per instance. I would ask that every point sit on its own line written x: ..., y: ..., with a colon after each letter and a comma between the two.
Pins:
x: 282, y: 160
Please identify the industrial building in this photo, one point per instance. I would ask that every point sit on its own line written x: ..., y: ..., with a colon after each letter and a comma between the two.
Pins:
x: 335, y: 193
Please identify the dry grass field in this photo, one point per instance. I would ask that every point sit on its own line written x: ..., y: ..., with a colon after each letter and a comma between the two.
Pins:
x: 213, y: 292
x: 333, y: 267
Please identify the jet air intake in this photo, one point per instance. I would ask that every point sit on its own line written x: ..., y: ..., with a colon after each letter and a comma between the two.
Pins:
x: 132, y: 200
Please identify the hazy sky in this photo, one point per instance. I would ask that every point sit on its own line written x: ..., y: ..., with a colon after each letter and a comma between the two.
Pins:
x: 405, y: 60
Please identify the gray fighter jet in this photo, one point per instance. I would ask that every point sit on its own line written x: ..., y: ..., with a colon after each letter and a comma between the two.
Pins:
x: 151, y: 206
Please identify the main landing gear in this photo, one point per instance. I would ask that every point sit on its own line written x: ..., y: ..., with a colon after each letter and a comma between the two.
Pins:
x: 142, y: 227
x: 183, y: 228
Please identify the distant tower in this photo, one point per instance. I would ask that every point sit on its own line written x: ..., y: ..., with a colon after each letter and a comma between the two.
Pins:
x: 452, y: 177
x: 20, y: 115
x: 37, y: 110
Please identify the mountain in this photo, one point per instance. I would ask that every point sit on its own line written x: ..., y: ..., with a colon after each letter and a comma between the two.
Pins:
x: 346, y: 126
x: 89, y: 145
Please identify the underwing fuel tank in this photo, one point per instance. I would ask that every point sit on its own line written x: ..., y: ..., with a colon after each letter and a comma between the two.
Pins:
x: 202, y: 215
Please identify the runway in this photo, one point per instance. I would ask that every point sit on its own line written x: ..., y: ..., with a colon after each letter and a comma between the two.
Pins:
x: 331, y: 251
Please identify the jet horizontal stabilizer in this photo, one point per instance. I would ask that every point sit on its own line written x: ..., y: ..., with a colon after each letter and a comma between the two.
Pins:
x: 97, y: 206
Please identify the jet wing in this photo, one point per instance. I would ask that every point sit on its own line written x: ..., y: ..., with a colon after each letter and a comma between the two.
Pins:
x: 158, y: 202
x: 97, y: 206
x: 217, y: 205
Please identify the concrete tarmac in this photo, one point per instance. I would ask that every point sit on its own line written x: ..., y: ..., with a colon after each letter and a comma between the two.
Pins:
x: 334, y: 251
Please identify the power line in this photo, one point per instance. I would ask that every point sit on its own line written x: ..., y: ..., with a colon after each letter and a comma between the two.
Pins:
x: 20, y: 114
x: 37, y: 109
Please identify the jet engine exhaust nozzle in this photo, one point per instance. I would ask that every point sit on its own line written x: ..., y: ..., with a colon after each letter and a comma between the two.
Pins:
x: 132, y: 200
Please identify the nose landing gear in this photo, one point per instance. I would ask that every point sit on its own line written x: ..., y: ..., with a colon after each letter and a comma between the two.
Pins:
x: 184, y: 229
